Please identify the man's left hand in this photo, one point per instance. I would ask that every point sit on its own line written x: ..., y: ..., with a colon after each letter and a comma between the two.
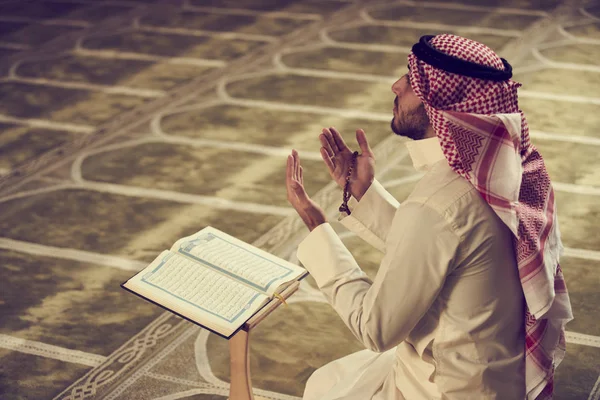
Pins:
x: 309, y: 211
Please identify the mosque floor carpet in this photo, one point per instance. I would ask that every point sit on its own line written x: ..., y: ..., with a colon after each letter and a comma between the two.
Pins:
x: 125, y: 125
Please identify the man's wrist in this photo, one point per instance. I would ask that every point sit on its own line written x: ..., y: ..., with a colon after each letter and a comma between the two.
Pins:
x: 313, y: 226
x: 360, y: 192
x: 312, y: 221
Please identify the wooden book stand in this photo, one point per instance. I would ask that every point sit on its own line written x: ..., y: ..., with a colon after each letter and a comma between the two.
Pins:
x: 239, y: 346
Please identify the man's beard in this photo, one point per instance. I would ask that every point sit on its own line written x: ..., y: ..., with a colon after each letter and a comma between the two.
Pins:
x: 412, y: 124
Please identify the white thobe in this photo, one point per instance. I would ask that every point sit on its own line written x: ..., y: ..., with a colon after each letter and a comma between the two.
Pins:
x: 443, y: 318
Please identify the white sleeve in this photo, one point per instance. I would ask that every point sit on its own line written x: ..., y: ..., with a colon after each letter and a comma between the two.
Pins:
x: 371, y: 217
x: 420, y: 252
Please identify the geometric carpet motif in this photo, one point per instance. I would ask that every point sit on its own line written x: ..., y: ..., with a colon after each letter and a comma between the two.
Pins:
x: 129, y: 124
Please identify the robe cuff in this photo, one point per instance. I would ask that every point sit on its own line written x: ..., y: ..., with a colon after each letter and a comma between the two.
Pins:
x: 369, y: 218
x: 324, y: 255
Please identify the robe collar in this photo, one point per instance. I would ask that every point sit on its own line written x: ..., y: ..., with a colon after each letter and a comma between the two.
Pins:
x: 425, y: 152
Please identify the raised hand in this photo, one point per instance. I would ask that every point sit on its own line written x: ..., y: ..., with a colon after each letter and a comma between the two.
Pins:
x: 309, y: 211
x: 337, y: 157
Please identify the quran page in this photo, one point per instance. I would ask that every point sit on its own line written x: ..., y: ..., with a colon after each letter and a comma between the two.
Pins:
x: 205, y: 296
x: 246, y: 263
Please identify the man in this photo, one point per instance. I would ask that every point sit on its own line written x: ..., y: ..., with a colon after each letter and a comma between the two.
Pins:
x: 469, y: 301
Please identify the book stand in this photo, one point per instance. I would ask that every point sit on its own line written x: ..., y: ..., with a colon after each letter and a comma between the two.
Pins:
x: 239, y: 346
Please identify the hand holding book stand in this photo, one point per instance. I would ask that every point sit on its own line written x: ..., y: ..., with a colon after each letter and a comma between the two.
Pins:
x: 239, y: 345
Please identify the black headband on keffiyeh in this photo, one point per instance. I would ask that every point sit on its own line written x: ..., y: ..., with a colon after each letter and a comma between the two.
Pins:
x: 485, y: 139
x: 429, y: 54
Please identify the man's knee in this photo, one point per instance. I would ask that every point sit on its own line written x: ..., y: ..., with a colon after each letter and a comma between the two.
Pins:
x: 318, y: 384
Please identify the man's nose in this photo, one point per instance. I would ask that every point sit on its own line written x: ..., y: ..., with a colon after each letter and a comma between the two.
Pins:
x: 396, y: 87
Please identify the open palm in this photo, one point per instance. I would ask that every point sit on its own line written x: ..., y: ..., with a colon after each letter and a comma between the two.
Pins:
x: 310, y: 212
x: 338, y: 157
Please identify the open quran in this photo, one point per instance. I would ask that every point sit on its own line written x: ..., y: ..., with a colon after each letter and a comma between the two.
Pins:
x: 214, y: 280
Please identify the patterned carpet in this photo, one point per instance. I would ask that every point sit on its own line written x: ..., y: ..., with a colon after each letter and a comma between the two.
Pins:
x: 127, y: 124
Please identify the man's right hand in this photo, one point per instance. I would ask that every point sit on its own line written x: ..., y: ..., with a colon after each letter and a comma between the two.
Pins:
x: 337, y: 157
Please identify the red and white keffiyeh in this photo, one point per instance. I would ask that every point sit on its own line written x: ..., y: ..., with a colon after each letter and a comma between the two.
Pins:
x: 485, y: 139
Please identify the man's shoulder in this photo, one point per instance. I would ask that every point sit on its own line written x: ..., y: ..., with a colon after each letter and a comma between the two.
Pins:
x: 444, y: 191
x: 455, y: 200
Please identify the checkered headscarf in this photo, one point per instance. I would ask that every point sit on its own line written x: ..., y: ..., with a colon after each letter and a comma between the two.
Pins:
x: 485, y: 139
